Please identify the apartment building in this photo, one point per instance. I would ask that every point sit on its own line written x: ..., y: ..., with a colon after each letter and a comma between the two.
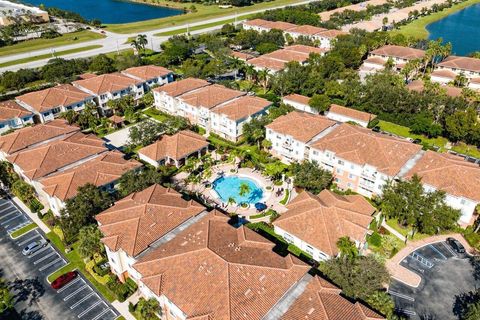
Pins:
x: 150, y: 75
x: 419, y: 86
x: 102, y: 171
x: 344, y: 114
x: 49, y: 103
x: 314, y: 223
x: 166, y: 96
x: 299, y: 102
x: 292, y: 134
x: 13, y: 116
x: 362, y: 160
x: 458, y: 178
x: 110, y: 86
x: 399, y: 55
x: 261, y: 25
x: 142, y: 221
x: 175, y: 149
x: 453, y: 66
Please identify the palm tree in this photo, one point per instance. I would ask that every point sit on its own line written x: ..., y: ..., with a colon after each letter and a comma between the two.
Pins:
x: 89, y: 241
x: 149, y: 308
x: 347, y: 247
x: 263, y: 77
x: 243, y: 189
x: 142, y: 41
x: 136, y: 45
x: 231, y: 201
x: 250, y: 72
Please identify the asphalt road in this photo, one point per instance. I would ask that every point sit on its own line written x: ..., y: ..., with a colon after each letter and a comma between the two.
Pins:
x: 447, y: 280
x: 35, y: 299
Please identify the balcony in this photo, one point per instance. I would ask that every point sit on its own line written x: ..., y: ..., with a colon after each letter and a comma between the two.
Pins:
x: 369, y: 176
x: 287, y: 145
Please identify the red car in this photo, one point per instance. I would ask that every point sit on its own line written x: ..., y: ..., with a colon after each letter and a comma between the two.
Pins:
x: 64, y: 279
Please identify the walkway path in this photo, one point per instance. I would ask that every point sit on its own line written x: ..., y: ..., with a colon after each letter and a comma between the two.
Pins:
x: 393, y: 231
x: 408, y: 277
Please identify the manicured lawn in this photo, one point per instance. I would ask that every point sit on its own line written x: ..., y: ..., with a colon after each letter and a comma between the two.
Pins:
x: 467, y: 149
x: 261, y: 215
x: 45, y: 56
x: 24, y: 230
x: 417, y: 28
x: 285, y: 198
x: 405, y: 231
x: 36, y: 44
x: 155, y: 114
x: 203, y: 12
x: 405, y: 132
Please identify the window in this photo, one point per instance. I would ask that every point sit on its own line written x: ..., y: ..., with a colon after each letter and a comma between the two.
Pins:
x: 288, y: 238
x: 352, y: 166
x: 315, y: 152
x: 339, y: 171
x: 340, y: 162
x: 338, y: 180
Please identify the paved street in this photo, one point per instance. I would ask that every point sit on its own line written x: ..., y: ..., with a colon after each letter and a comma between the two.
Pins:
x: 27, y: 275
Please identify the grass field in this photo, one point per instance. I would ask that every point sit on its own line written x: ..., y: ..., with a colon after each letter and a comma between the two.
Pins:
x: 37, y: 44
x: 45, y: 56
x: 417, y: 28
x: 22, y: 231
x: 203, y: 12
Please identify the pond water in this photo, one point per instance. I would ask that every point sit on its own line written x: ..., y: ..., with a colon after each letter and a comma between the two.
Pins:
x: 109, y: 11
x: 461, y: 28
x: 229, y: 187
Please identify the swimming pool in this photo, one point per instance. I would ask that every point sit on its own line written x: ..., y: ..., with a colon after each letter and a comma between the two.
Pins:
x: 229, y: 187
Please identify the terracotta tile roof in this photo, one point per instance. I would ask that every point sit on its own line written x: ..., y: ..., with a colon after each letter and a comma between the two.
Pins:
x: 210, y: 96
x: 307, y: 30
x: 116, y: 119
x: 449, y: 173
x: 100, y: 171
x: 363, y: 146
x: 301, y: 126
x: 241, y: 55
x: 287, y: 55
x: 296, y: 98
x: 475, y: 80
x: 464, y: 63
x: 444, y: 74
x: 175, y: 147
x: 10, y: 110
x: 256, y: 22
x: 31, y: 136
x: 110, y: 82
x: 147, y: 72
x: 263, y: 62
x: 351, y: 113
x: 321, y: 300
x: 212, y: 269
x: 177, y: 88
x: 87, y: 76
x: 399, y: 52
x: 276, y: 60
x: 375, y: 60
x: 46, y: 159
x: 332, y: 33
x: 61, y: 95
x: 305, y: 49
x: 242, y: 107
x: 279, y: 25
x: 419, y: 86
x: 138, y: 220
x: 322, y: 220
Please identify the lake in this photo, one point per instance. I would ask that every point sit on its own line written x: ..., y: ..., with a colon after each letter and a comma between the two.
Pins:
x: 110, y: 11
x: 461, y: 28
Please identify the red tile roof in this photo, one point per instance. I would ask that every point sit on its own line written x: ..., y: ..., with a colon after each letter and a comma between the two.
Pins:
x: 177, y: 88
x: 11, y: 110
x: 444, y: 74
x: 464, y: 63
x: 138, y: 220
x: 147, y: 72
x: 242, y: 107
x: 351, y: 113
x: 241, y: 55
x: 307, y: 30
x: 399, y: 52
x: 110, y: 82
x: 216, y: 271
x: 210, y: 96
x: 297, y: 98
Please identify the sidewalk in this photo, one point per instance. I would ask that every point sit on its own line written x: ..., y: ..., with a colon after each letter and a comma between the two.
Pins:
x: 408, y: 277
x: 32, y: 215
x: 122, y: 307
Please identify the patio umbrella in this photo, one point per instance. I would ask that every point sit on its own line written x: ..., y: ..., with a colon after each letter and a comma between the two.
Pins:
x: 260, y: 206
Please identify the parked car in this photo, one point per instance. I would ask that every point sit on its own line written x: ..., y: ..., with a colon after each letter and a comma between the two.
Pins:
x: 417, y: 141
x: 64, y: 279
x: 456, y: 245
x: 376, y: 129
x: 33, y: 247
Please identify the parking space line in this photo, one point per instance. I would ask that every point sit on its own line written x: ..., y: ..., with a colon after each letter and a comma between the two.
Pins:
x: 438, y: 251
x: 90, y: 308
x: 8, y: 214
x: 400, y: 295
x: 8, y: 220
x: 407, y: 312
x: 50, y: 264
x: 70, y: 284
x: 19, y: 226
x: 44, y: 257
x: 75, y: 292
x: 83, y: 299
x: 449, y: 249
x: 27, y: 240
x: 39, y: 251
x: 8, y: 205
x: 102, y: 313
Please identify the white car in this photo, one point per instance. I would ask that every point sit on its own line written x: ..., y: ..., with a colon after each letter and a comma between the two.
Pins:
x: 34, y: 247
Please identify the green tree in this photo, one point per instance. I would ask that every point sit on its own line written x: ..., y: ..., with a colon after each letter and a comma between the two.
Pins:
x: 7, y: 175
x: 347, y: 248
x: 382, y: 302
x: 149, y: 308
x: 7, y: 299
x: 133, y: 181
x: 319, y: 102
x: 310, y: 176
x: 23, y: 190
x: 89, y: 241
x: 144, y: 133
x: 102, y: 64
x: 472, y: 312
x: 243, y: 189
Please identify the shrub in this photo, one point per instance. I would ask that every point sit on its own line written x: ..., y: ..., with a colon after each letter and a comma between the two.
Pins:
x: 36, y: 206
x: 131, y: 285
x: 131, y: 307
x: 375, y: 239
x: 472, y: 237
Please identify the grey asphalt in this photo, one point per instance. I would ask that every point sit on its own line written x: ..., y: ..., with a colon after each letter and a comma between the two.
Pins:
x: 27, y: 277
x: 447, y: 280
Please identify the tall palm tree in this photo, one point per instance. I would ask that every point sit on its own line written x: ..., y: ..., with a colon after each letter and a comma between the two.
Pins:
x: 243, y: 189
x: 231, y: 201
x: 149, y: 308
x: 142, y: 40
x: 263, y: 77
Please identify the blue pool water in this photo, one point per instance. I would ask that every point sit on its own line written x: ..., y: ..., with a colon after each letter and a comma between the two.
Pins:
x: 109, y: 11
x: 461, y: 29
x: 229, y: 187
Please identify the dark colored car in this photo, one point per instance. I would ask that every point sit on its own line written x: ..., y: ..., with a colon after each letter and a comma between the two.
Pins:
x: 376, y: 129
x: 417, y: 141
x: 64, y: 279
x: 456, y: 245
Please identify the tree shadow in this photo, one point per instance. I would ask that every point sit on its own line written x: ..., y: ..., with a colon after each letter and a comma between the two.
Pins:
x: 29, y: 290
x: 22, y: 315
x: 475, y: 262
x: 462, y: 301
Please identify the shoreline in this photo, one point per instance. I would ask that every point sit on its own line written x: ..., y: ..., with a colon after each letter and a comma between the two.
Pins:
x: 418, y: 28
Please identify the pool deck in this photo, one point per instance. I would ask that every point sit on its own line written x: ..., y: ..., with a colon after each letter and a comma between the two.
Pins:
x: 270, y: 197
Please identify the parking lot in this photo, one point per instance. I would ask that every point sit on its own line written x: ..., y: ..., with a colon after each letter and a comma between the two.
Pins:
x: 76, y: 300
x: 447, y: 278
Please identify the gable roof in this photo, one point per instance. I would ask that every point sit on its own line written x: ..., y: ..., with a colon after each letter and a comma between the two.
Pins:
x: 177, y: 88
x: 351, y: 113
x: 399, y: 52
x: 449, y: 173
x: 210, y: 96
x: 322, y: 220
x: 464, y: 63
x: 109, y: 82
x: 363, y: 146
x: 147, y: 72
x: 10, y: 109
x: 242, y: 107
x: 307, y: 30
x: 31, y: 136
x: 60, y: 96
x: 419, y: 86
x: 297, y: 98
x: 321, y: 300
x: 138, y: 220
x: 104, y: 169
x: 175, y: 147
x: 301, y: 126
x: 256, y: 22
x: 217, y: 271
x: 46, y: 159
